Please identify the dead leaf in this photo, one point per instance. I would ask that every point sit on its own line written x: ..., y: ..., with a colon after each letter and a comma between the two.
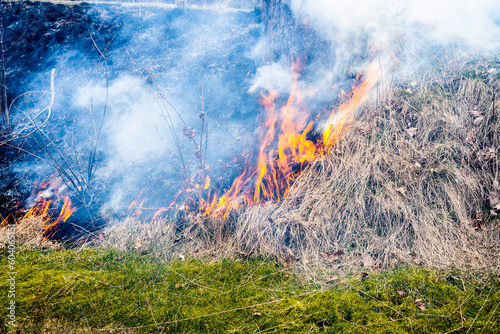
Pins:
x: 478, y: 222
x: 338, y: 254
x: 368, y: 261
x: 332, y: 257
x: 177, y: 286
x: 420, y: 304
x: 436, y: 279
x: 138, y: 244
x: 330, y: 278
x: 471, y: 137
x: 189, y: 132
x: 402, y: 191
x: 401, y: 293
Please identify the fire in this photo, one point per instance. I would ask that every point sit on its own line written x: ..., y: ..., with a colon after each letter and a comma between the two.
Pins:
x: 136, y: 205
x: 345, y: 115
x: 290, y: 140
x: 44, y: 203
x: 66, y: 211
x: 287, y: 146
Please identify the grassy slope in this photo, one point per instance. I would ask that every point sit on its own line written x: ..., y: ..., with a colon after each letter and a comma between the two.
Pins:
x: 73, y: 291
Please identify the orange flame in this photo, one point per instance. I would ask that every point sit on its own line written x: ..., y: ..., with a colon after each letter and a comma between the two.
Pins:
x: 45, y: 201
x: 287, y: 145
x: 278, y: 167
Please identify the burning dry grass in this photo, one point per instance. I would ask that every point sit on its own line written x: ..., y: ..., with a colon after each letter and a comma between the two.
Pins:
x: 411, y: 181
x: 414, y: 180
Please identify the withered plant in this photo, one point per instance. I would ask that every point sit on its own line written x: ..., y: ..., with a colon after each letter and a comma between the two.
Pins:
x: 414, y: 180
x: 199, y: 139
x: 35, y: 136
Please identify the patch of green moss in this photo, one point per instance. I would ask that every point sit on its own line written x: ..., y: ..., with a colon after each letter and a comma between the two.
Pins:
x: 109, y: 289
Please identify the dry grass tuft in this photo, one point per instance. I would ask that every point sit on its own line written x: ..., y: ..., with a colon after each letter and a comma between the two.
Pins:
x: 209, y: 238
x: 29, y: 235
x: 414, y: 180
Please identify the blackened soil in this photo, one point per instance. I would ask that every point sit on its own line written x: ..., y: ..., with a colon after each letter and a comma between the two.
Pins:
x: 35, y: 34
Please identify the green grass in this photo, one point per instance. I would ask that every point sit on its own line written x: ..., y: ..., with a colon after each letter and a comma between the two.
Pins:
x: 75, y: 291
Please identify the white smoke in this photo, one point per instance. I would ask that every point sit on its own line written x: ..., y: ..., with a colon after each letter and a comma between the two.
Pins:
x: 405, y: 37
x: 409, y: 26
x: 273, y: 76
x: 133, y: 122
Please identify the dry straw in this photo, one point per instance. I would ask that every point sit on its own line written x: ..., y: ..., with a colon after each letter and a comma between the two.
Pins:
x: 415, y: 179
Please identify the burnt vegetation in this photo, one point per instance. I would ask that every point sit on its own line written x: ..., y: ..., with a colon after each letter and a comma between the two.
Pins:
x: 34, y: 36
